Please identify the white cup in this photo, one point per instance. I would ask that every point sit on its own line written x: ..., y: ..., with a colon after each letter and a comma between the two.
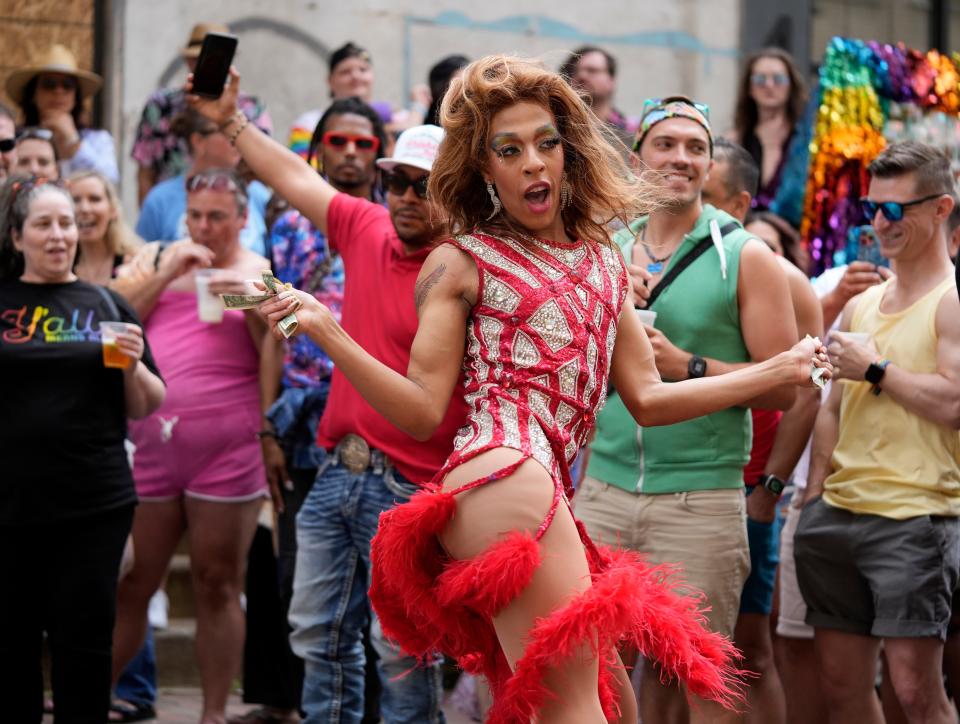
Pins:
x: 209, y: 306
x: 647, y: 316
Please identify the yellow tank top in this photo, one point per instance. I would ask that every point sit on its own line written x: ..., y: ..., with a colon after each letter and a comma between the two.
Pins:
x: 889, y: 461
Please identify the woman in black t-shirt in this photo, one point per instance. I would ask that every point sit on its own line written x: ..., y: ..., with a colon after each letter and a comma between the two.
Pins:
x: 66, y: 495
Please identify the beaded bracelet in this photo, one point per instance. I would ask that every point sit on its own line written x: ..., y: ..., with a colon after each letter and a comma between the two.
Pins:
x: 241, y: 122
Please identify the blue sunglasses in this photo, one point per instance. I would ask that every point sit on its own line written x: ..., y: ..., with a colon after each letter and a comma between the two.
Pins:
x: 891, y: 210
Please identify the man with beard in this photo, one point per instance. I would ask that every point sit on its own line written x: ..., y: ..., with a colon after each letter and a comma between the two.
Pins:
x: 295, y: 381
x: 367, y: 465
x: 675, y: 492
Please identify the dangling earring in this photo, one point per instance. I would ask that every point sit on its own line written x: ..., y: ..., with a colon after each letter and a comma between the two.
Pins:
x: 496, y: 201
x: 564, y: 193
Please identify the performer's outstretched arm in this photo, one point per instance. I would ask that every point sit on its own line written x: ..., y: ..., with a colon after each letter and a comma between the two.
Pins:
x: 653, y: 402
x: 416, y: 402
x: 274, y: 164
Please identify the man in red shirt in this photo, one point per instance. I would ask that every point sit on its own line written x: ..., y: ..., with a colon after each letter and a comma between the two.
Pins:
x: 370, y: 465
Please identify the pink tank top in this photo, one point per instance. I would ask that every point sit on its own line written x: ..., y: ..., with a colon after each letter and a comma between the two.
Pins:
x: 205, y: 366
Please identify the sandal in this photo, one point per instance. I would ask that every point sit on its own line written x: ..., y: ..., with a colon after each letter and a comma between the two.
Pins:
x: 127, y: 711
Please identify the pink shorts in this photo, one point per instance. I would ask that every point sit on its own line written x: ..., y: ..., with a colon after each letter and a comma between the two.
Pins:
x: 209, y: 454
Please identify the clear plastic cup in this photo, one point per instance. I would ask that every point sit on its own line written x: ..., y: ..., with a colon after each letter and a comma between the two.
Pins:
x: 112, y: 356
x: 209, y: 306
x: 647, y: 316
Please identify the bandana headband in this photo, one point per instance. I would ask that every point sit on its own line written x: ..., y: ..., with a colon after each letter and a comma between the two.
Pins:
x: 657, y: 109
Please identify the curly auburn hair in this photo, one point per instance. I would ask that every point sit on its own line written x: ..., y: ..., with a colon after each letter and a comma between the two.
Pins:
x: 601, y: 183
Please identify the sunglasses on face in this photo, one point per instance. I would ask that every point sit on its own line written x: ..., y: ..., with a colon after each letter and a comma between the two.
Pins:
x: 7, y: 144
x: 51, y: 83
x: 336, y: 139
x: 891, y: 210
x: 213, y: 183
x: 762, y: 79
x: 398, y: 183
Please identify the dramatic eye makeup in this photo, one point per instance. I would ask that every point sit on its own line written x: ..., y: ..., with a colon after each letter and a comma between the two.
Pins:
x: 508, y: 144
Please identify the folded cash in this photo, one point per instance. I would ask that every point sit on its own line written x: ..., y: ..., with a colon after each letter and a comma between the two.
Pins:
x: 817, y: 373
x: 287, y: 325
x: 243, y: 301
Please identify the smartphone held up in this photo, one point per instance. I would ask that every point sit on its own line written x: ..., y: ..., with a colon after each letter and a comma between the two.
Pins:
x: 213, y: 64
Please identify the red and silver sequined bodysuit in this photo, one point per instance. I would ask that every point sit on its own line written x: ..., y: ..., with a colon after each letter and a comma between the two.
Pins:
x: 539, y: 344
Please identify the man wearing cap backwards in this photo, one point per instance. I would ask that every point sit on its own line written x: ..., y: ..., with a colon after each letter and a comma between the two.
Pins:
x: 159, y: 153
x: 676, y: 492
x: 368, y: 465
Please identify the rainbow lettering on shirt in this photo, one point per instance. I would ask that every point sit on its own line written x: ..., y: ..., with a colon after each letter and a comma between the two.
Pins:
x: 54, y: 329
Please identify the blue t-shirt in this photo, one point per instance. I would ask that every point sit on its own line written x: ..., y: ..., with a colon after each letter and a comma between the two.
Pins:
x: 164, y: 214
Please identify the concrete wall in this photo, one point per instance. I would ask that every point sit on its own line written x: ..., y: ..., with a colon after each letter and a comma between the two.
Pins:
x: 663, y: 47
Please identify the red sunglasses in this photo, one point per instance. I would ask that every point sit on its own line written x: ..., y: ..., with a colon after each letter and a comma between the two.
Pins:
x: 362, y: 142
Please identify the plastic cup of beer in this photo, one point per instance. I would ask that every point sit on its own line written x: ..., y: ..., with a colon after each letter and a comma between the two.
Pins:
x: 112, y: 356
x: 209, y: 305
x: 647, y: 316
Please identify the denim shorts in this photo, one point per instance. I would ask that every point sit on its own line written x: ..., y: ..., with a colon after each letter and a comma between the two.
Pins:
x: 870, y: 575
x: 763, y: 539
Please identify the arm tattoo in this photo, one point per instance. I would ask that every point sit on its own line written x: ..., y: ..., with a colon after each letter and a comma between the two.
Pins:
x: 425, y: 285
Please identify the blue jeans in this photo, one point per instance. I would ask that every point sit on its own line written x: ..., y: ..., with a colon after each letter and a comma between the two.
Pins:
x: 138, y: 682
x: 330, y: 604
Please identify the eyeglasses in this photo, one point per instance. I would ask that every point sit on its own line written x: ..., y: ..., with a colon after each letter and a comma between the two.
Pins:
x: 762, y: 79
x: 51, y: 83
x: 398, y: 183
x: 7, y: 144
x: 340, y: 140
x: 213, y: 182
x: 38, y: 134
x: 891, y: 210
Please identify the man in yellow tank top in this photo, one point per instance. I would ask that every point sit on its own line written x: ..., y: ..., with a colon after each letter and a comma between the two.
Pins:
x: 878, y: 544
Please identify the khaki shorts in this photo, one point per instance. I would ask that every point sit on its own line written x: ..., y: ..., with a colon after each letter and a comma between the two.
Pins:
x: 791, y: 623
x: 703, y: 531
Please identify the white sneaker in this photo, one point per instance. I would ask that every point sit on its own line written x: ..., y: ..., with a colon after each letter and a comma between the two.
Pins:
x: 158, y: 612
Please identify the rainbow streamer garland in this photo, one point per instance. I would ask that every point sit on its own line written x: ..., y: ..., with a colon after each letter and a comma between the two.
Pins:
x: 858, y: 81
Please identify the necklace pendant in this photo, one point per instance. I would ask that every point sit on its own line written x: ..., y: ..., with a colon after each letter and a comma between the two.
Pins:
x: 655, y: 267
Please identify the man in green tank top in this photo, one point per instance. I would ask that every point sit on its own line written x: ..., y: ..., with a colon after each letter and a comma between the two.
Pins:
x: 675, y: 493
x: 878, y: 555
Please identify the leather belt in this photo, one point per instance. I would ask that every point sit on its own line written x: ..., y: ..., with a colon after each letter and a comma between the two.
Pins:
x: 356, y: 455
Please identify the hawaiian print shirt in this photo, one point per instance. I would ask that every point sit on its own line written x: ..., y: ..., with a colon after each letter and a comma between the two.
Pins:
x: 163, y: 151
x: 302, y: 257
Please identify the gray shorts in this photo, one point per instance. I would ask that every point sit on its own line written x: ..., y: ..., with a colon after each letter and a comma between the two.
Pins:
x: 869, y: 575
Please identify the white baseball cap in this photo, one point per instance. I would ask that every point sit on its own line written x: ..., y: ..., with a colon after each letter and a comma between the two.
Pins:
x: 416, y: 147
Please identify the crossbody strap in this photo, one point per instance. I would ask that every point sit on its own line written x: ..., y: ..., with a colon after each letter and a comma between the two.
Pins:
x: 695, y: 253
x: 111, y: 304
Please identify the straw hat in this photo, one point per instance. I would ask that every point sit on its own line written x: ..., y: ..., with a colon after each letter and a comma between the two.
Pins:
x: 57, y: 59
x: 192, y: 49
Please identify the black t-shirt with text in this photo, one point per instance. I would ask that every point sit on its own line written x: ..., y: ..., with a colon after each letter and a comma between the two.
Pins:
x: 62, y: 416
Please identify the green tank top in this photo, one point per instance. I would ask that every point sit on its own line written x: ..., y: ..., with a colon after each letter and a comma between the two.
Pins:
x: 698, y: 313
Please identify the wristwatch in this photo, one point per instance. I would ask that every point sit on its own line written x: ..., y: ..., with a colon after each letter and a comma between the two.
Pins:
x: 772, y: 484
x: 696, y: 367
x: 875, y: 373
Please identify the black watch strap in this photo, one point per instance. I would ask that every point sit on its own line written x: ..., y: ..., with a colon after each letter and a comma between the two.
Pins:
x: 696, y: 367
x: 772, y: 484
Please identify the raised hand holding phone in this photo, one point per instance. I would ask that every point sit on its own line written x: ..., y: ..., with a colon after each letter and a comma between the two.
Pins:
x: 213, y: 64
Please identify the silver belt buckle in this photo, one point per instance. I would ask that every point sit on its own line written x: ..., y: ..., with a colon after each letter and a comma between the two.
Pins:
x: 354, y: 453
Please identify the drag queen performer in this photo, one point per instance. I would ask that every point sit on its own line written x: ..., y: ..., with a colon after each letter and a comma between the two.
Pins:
x: 528, y: 298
